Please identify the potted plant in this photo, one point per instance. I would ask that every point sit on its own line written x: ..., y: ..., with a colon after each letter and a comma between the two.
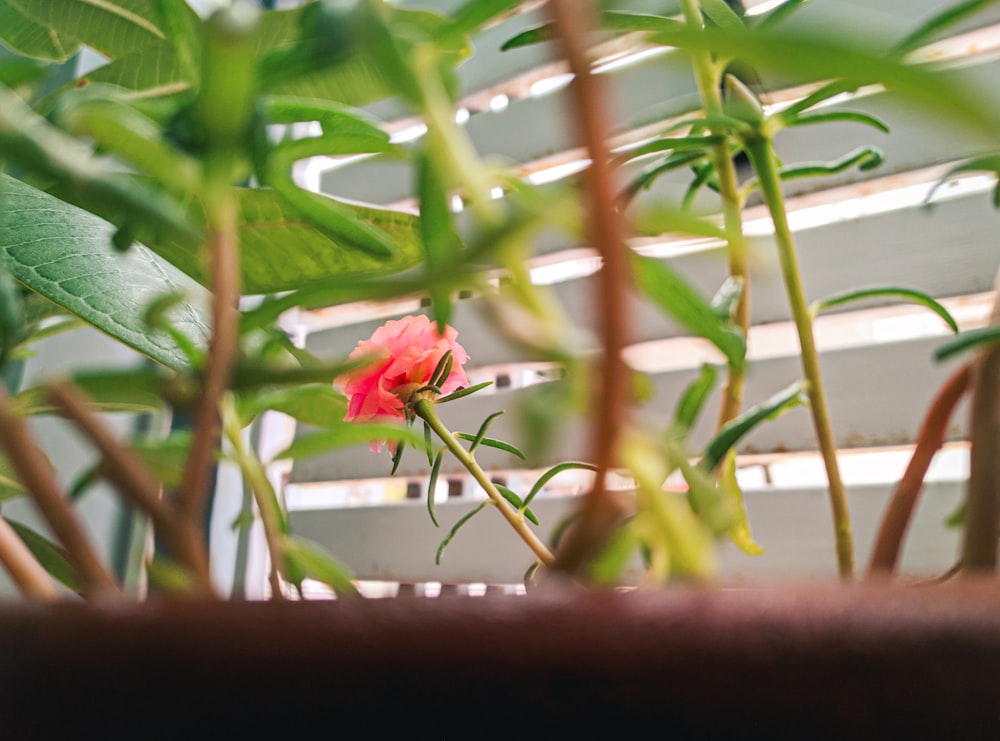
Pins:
x: 160, y: 182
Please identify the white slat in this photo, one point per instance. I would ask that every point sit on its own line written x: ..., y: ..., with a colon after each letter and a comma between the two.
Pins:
x: 878, y: 394
x: 398, y: 542
x: 944, y: 251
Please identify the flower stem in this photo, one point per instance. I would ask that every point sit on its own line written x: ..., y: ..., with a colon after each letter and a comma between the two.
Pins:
x: 761, y: 151
x: 425, y: 410
x: 27, y: 573
x: 708, y: 78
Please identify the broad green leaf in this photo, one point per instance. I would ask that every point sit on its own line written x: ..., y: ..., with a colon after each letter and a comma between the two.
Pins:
x: 53, y: 30
x: 735, y: 430
x: 305, y: 559
x: 151, y: 71
x: 454, y: 530
x: 314, y: 404
x: 65, y: 254
x: 52, y: 558
x: 281, y: 252
x: 678, y: 298
x: 350, y: 433
x: 907, y: 294
x: 692, y: 401
x: 966, y: 341
x: 474, y: 13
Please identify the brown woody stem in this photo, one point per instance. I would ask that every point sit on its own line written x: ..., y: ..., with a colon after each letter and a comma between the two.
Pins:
x: 135, y: 482
x: 899, y: 512
x: 34, y: 471
x: 601, y: 511
x: 24, y: 569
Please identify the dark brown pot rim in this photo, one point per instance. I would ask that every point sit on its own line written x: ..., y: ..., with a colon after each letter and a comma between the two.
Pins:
x: 819, y: 661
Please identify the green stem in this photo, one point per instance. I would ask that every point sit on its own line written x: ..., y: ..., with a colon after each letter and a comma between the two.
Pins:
x: 425, y: 410
x: 761, y: 151
x: 708, y: 78
x: 271, y: 515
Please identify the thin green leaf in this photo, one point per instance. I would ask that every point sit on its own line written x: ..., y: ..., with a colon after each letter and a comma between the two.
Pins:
x: 317, y: 404
x: 836, y: 116
x: 451, y: 533
x: 739, y: 532
x: 939, y: 22
x: 440, y: 239
x: 692, y: 401
x: 482, y: 430
x: 663, y: 219
x: 432, y: 486
x: 351, y: 433
x: 864, y: 158
x: 53, y: 559
x: 970, y: 340
x: 464, y: 392
x: 779, y: 14
x: 489, y: 442
x: 552, y: 473
x: 908, y: 294
x: 735, y: 430
x: 429, y: 443
x: 722, y: 15
x: 397, y: 457
x: 529, y: 575
x: 528, y: 37
x: 726, y: 298
x: 515, y: 501
x: 670, y: 144
x: 10, y: 485
x: 307, y: 558
x: 133, y: 390
x: 475, y: 13
x: 614, y: 558
x: 678, y: 298
x: 442, y: 369
x: 647, y: 177
x: 987, y: 163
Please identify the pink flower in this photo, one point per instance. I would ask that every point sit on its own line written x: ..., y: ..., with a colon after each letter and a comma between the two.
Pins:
x: 407, y: 351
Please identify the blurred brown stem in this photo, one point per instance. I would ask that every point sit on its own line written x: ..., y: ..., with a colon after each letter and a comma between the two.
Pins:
x: 135, y: 482
x: 982, y: 503
x: 573, y: 20
x: 899, y: 512
x: 34, y: 471
x: 24, y: 569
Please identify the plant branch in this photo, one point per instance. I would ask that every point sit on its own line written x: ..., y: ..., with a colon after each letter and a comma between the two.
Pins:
x: 601, y: 511
x: 982, y: 503
x: 707, y: 76
x: 425, y: 410
x: 761, y: 152
x: 34, y: 471
x: 271, y: 516
x: 134, y: 482
x: 899, y: 512
x: 24, y: 569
